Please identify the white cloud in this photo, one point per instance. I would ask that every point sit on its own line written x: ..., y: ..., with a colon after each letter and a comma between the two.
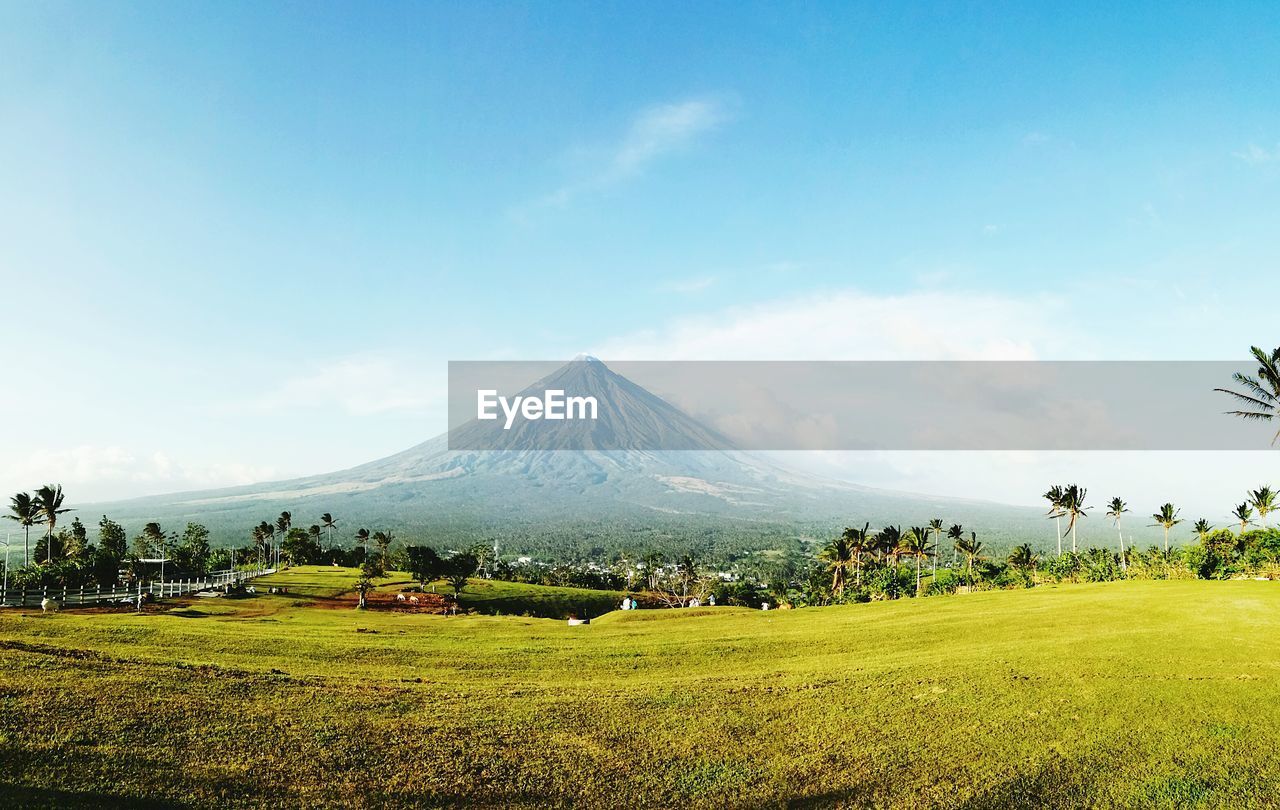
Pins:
x: 662, y: 129
x: 1256, y: 155
x: 104, y: 472
x: 653, y: 133
x: 853, y: 325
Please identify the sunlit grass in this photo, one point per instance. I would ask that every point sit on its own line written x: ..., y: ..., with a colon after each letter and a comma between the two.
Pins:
x: 1132, y: 693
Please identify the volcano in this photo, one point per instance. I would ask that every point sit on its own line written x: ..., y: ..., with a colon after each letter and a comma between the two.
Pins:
x: 577, y: 502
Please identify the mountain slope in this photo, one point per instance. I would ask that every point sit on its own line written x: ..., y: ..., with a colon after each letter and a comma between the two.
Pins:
x: 590, y: 500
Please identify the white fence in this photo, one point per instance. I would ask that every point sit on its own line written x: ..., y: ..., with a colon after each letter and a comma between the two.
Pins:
x: 79, y: 597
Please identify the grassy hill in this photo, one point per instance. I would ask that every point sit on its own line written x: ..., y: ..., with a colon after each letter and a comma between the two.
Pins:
x: 1134, y: 693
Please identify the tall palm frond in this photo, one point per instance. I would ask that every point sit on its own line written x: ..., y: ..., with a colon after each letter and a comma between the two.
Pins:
x: 1116, y: 508
x: 1244, y: 514
x: 1168, y: 518
x: 49, y: 500
x: 25, y: 511
x: 1261, y: 396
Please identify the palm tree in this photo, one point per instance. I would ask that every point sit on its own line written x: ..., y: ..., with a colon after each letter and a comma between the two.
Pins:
x: 156, y: 538
x: 935, y: 526
x: 1202, y: 528
x: 1263, y: 398
x: 955, y: 533
x: 1054, y: 497
x: 838, y: 555
x: 1024, y: 558
x: 268, y: 534
x: 362, y: 537
x: 860, y: 542
x: 1072, y: 506
x: 384, y: 541
x: 915, y: 543
x: 1244, y: 514
x: 24, y: 511
x: 888, y: 540
x: 1115, y: 509
x: 260, y: 535
x: 283, y: 523
x: 1168, y: 518
x: 49, y: 501
x: 1263, y: 499
x: 972, y: 550
x: 329, y: 524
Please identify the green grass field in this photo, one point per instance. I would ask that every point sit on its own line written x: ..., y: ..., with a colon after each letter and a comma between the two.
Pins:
x: 515, y: 599
x: 1151, y: 694
x: 481, y: 595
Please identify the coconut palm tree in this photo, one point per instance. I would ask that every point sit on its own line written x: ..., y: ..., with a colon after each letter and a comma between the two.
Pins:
x: 329, y: 524
x: 49, y: 501
x: 268, y: 534
x: 362, y: 537
x: 1262, y: 400
x: 839, y: 556
x: 283, y: 524
x: 915, y: 543
x: 1072, y: 506
x: 1024, y: 558
x: 156, y: 538
x: 954, y: 534
x: 1168, y: 518
x: 384, y: 541
x: 889, y: 539
x: 25, y: 511
x: 260, y: 534
x: 1115, y: 509
x: 860, y: 542
x: 1202, y: 528
x: 1054, y: 497
x: 972, y: 550
x: 1244, y: 514
x: 936, y: 527
x: 1263, y: 499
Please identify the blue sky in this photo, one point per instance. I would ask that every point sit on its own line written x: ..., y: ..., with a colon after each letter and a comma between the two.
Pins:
x: 241, y: 241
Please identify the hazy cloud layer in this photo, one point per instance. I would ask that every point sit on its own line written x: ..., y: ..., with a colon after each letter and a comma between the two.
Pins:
x: 105, y: 472
x: 855, y: 325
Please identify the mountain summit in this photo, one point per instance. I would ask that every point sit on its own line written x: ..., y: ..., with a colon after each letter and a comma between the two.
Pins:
x: 628, y: 417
